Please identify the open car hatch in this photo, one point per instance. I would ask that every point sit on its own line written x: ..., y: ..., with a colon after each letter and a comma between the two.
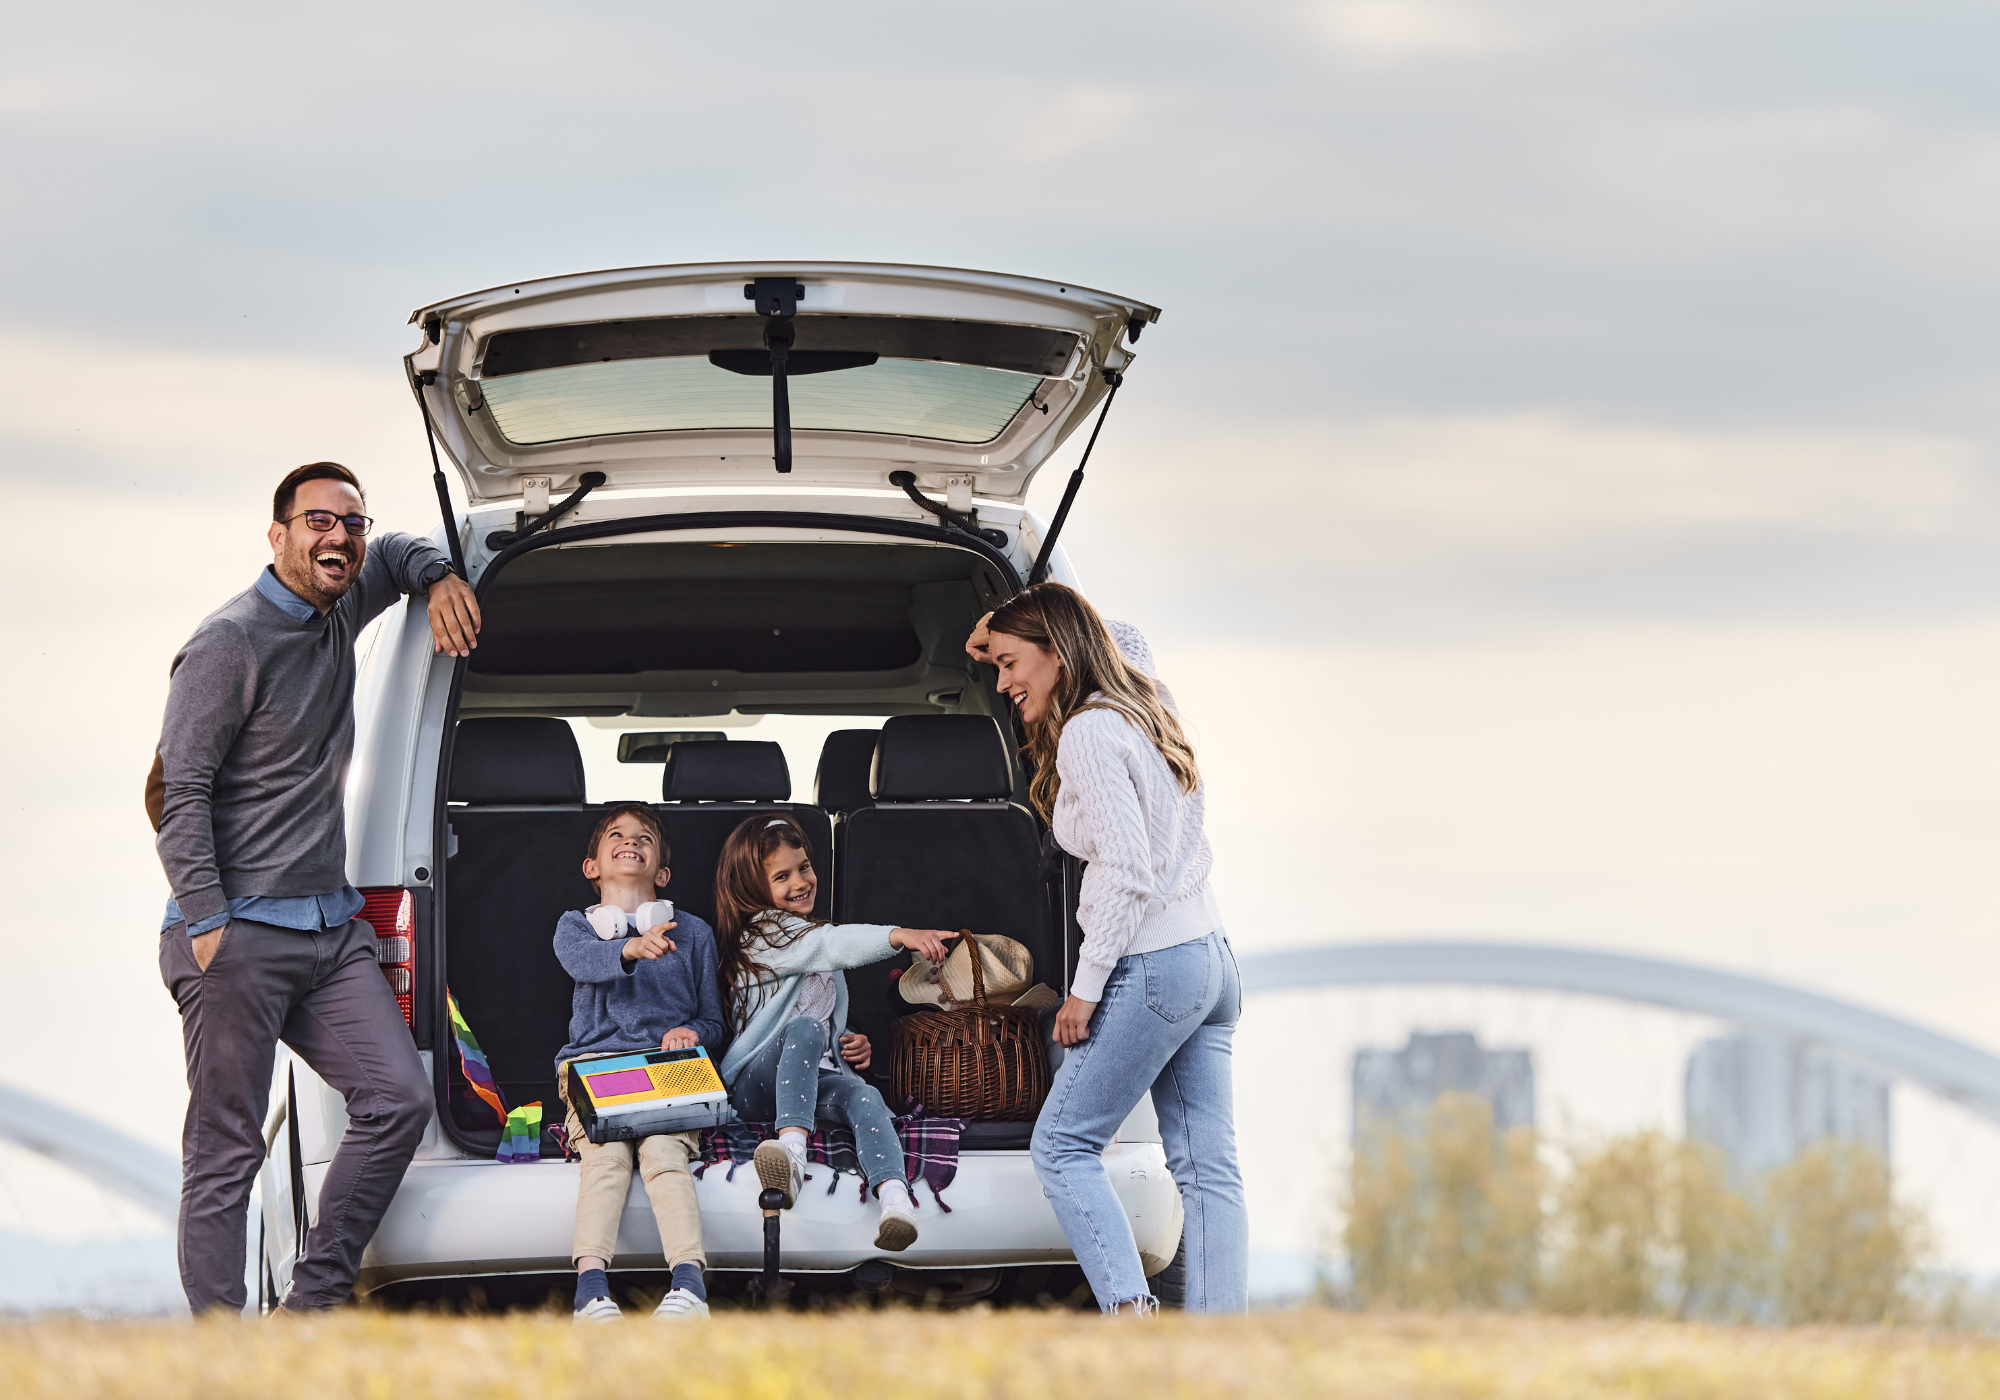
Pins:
x: 686, y: 376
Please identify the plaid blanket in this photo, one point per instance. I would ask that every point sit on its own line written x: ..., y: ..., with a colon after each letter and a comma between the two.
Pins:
x: 930, y: 1150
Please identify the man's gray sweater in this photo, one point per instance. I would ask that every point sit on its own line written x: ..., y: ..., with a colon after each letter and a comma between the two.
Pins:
x: 258, y: 734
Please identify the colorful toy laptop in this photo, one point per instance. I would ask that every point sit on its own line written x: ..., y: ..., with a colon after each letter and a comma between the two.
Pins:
x: 620, y: 1097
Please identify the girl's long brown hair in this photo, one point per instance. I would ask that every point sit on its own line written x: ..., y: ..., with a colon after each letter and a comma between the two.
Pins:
x: 742, y: 898
x: 1062, y: 620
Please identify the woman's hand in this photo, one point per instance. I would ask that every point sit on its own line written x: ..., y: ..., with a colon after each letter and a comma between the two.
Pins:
x: 855, y: 1049
x: 978, y: 644
x: 651, y: 944
x: 679, y: 1038
x: 1073, y: 1022
x: 924, y: 942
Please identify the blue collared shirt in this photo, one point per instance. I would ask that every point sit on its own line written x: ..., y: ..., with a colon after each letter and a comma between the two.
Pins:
x: 305, y: 911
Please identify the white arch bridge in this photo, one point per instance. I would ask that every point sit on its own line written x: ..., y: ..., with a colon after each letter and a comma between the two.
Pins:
x: 1951, y: 1069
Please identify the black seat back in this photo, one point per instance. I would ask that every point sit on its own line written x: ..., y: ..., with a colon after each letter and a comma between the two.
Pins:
x: 520, y: 840
x: 846, y: 764
x: 940, y: 846
x: 710, y: 789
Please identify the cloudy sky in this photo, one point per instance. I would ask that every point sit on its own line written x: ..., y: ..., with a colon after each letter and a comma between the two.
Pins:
x: 1561, y: 485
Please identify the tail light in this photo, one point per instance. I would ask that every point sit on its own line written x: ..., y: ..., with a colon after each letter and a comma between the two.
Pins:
x: 393, y: 914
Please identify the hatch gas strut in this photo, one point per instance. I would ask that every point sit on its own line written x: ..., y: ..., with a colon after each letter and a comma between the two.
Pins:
x: 426, y: 377
x: 1041, y: 569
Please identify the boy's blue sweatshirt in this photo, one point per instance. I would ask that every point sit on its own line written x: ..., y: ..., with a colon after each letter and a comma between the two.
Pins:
x: 621, y: 1006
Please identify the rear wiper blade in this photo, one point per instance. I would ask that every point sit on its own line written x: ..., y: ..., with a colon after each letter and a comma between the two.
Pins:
x: 777, y: 301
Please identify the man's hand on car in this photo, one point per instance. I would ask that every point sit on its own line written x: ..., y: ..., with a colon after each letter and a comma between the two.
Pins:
x: 204, y: 946
x: 855, y: 1049
x: 454, y: 616
x: 679, y: 1038
x: 651, y: 944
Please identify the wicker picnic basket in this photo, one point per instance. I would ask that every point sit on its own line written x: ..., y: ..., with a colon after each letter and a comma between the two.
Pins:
x: 978, y: 1061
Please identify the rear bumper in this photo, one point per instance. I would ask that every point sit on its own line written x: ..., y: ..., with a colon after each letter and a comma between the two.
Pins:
x: 453, y: 1219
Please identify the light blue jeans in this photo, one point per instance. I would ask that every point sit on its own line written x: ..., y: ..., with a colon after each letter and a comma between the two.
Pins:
x: 1164, y: 1025
x: 788, y: 1086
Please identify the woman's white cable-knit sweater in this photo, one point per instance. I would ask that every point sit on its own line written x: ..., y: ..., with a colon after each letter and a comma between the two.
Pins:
x: 1121, y: 809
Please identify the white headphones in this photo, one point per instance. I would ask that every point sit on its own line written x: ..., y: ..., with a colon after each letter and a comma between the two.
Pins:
x: 608, y: 921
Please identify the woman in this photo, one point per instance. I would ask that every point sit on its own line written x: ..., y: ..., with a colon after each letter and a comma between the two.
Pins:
x: 1154, y: 999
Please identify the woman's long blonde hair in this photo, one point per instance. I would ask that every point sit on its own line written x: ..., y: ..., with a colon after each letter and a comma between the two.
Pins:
x: 1095, y: 676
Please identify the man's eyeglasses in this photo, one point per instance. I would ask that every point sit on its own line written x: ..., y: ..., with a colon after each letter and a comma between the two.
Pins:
x: 320, y: 521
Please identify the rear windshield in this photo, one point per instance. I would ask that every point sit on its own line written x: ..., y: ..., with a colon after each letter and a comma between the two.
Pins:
x: 902, y: 398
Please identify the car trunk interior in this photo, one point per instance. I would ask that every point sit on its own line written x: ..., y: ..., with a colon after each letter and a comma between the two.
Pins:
x: 681, y: 629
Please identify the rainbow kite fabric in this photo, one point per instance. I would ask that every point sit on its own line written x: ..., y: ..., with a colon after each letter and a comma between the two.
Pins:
x: 522, y: 1141
x: 521, y: 1131
x: 473, y: 1058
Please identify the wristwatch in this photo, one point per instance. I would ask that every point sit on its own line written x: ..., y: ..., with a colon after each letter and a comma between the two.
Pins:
x: 438, y: 569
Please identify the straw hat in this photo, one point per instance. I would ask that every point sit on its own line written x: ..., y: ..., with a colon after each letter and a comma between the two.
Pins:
x: 1006, y: 966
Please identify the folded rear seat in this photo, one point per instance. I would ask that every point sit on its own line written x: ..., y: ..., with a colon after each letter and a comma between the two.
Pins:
x: 941, y: 846
x: 711, y: 788
x: 520, y: 848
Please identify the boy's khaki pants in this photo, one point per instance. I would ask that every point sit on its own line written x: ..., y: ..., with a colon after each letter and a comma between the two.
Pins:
x: 607, y: 1178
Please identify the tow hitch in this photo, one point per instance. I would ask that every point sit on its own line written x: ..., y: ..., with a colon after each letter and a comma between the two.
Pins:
x: 771, y: 1286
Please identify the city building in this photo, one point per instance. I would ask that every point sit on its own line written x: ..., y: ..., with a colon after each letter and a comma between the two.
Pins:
x: 1394, y: 1087
x: 1762, y: 1099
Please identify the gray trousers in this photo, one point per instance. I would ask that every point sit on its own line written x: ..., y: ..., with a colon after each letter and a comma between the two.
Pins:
x: 323, y: 994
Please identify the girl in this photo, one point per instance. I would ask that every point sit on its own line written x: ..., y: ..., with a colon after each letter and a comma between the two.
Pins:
x: 1154, y: 999
x: 783, y: 994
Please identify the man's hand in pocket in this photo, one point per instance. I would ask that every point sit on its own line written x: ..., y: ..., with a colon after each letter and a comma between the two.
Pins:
x: 204, y: 945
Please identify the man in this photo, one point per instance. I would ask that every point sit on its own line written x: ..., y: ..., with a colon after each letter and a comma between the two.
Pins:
x: 261, y: 943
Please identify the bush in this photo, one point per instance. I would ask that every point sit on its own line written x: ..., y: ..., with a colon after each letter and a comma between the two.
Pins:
x: 1446, y: 1213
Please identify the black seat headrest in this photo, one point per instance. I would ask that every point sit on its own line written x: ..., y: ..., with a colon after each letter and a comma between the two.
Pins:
x: 516, y: 758
x: 738, y: 770
x: 846, y: 761
x: 921, y: 758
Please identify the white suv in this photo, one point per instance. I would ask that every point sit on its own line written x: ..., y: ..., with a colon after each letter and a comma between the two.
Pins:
x: 701, y: 495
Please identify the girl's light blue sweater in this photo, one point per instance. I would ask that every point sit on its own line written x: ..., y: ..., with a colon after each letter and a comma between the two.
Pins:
x: 765, y: 1004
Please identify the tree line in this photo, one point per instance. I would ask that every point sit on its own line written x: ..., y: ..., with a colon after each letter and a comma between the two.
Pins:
x: 1443, y: 1212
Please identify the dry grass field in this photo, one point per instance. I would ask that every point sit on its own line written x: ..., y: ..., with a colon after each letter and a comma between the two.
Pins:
x: 891, y: 1355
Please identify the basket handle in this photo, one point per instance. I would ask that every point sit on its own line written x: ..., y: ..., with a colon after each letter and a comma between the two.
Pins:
x: 971, y: 947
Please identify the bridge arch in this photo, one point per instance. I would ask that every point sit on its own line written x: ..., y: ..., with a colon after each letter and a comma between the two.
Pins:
x: 1952, y: 1069
x: 116, y: 1161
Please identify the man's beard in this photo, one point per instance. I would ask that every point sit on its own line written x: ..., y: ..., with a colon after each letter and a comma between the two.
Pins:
x: 297, y: 572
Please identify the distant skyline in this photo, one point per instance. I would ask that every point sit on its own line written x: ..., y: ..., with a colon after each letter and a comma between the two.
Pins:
x: 1561, y: 487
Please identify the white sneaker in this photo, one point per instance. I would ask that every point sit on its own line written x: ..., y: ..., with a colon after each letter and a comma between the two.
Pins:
x: 598, y: 1310
x: 898, y: 1230
x: 679, y: 1304
x: 779, y: 1170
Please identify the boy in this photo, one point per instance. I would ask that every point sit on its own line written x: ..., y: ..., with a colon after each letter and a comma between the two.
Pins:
x: 636, y: 989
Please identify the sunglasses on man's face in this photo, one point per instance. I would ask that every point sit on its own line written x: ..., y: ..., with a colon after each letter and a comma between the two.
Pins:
x: 320, y: 521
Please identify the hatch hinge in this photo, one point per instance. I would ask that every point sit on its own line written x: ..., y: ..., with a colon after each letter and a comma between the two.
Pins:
x: 965, y: 523
x: 777, y: 301
x: 526, y: 525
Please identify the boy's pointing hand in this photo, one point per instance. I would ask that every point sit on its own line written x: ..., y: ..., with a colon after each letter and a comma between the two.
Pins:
x: 651, y: 944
